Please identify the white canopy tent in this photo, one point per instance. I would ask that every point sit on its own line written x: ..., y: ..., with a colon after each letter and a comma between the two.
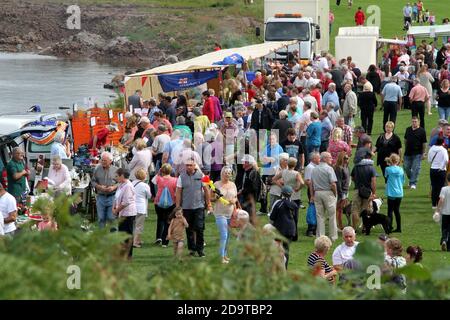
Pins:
x: 206, y: 61
x: 148, y: 82
x: 427, y: 31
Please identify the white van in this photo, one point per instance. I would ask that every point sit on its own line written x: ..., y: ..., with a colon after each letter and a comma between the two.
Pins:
x: 12, y: 128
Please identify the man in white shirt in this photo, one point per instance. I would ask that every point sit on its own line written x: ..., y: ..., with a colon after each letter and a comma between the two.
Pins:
x: 2, y: 224
x: 300, y: 81
x: 159, y: 143
x: 345, y: 251
x: 323, y: 62
x: 8, y: 209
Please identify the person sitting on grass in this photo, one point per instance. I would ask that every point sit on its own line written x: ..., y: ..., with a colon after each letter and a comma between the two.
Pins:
x: 414, y: 255
x: 317, y: 262
x: 176, y: 232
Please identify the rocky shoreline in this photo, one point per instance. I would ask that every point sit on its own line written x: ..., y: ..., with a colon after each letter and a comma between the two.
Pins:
x: 99, y: 38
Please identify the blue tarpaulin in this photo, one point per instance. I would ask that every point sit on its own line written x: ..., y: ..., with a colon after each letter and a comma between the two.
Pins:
x: 235, y: 58
x: 180, y: 81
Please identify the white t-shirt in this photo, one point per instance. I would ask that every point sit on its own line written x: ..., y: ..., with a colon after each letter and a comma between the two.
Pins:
x: 8, y: 205
x: 323, y: 63
x: 159, y: 142
x: 308, y: 170
x: 343, y: 253
x: 2, y: 224
x: 445, y: 195
x: 143, y: 194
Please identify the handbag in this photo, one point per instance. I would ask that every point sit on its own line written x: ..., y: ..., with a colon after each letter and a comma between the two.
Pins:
x: 311, y: 218
x: 234, y: 216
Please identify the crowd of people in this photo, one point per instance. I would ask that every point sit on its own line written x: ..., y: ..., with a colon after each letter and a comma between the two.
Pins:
x: 289, y: 132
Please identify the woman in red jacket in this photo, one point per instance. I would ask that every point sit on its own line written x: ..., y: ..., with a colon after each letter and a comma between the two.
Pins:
x: 208, y: 106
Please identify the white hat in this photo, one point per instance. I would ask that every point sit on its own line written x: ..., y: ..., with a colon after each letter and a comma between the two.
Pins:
x: 248, y: 158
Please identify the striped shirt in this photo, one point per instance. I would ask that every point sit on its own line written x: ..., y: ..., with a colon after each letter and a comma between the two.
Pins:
x: 314, y: 259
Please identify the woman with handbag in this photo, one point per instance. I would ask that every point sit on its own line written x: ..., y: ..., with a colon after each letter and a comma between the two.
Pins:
x: 223, y: 211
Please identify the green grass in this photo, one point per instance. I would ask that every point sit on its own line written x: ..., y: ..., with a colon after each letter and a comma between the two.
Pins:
x: 417, y: 225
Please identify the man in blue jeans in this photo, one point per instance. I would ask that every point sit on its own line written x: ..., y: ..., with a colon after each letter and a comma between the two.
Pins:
x: 103, y: 182
x: 416, y: 144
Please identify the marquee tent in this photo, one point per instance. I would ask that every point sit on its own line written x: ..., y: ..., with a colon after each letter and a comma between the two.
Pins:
x: 150, y: 85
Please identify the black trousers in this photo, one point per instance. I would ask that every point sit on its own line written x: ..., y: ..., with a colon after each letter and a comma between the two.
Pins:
x: 162, y: 223
x: 196, y: 220
x: 263, y: 201
x: 418, y: 109
x: 445, y: 226
x: 438, y: 181
x: 389, y: 112
x: 367, y: 119
x: 126, y: 224
x: 394, y: 206
x: 324, y: 145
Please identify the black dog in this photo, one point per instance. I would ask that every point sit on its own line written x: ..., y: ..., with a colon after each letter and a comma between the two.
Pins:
x: 372, y: 217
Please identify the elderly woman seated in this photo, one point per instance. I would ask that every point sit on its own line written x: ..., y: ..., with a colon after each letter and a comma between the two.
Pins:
x: 59, y: 179
x: 317, y: 262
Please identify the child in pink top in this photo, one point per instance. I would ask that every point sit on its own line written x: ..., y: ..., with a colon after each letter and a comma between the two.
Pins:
x: 47, y: 223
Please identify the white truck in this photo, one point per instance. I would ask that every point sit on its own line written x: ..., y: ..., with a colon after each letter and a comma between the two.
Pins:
x: 304, y: 20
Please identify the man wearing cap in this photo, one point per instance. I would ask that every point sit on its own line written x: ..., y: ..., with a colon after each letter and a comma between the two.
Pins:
x: 99, y: 140
x: 193, y: 197
x: 391, y: 98
x: 445, y: 134
x: 284, y: 217
x: 364, y: 176
x: 439, y: 130
x: 324, y: 190
x: 418, y: 98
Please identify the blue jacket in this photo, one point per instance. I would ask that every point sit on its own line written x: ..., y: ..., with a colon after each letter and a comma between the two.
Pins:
x: 313, y: 134
x: 395, y: 179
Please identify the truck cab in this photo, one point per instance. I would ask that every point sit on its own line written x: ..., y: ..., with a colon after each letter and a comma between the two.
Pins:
x: 286, y: 27
x: 303, y: 20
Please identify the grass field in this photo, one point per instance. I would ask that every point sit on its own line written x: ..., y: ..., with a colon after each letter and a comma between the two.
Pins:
x: 417, y: 225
